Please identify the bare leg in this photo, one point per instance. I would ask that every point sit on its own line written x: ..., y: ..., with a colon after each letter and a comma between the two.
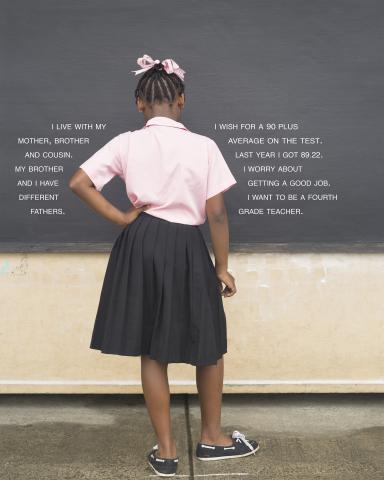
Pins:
x: 209, y: 381
x: 154, y: 378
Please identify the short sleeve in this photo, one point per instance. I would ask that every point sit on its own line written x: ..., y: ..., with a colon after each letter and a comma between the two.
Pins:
x: 104, y: 164
x: 220, y: 177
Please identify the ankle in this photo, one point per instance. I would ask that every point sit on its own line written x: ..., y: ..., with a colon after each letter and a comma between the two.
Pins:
x: 167, y: 449
x: 220, y: 438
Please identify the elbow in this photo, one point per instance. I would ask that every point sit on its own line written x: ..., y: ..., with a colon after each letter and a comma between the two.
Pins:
x: 217, y: 216
x: 74, y: 184
x: 215, y: 209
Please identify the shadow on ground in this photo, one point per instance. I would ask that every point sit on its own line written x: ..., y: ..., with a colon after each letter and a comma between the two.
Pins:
x: 302, y: 437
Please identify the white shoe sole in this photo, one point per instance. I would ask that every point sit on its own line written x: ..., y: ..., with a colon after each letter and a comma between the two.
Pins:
x: 230, y: 456
x: 160, y: 474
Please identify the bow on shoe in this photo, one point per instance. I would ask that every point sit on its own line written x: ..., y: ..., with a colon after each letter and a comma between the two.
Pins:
x: 236, y: 434
x: 170, y: 66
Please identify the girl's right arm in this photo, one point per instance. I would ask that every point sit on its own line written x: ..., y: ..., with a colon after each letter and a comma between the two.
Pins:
x: 219, y: 230
x: 83, y: 187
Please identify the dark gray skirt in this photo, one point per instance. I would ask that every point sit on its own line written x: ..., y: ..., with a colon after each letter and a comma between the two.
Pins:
x: 160, y: 296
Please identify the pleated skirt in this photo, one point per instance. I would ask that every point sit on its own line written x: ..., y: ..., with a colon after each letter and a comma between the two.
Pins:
x: 160, y: 296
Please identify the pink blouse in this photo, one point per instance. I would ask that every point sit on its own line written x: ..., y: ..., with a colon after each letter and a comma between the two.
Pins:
x: 165, y: 165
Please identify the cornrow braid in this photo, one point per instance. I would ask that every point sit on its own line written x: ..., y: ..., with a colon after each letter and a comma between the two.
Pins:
x: 158, y: 86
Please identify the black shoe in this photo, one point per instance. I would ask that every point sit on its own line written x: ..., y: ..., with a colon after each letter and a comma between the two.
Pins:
x: 241, y: 447
x: 164, y: 467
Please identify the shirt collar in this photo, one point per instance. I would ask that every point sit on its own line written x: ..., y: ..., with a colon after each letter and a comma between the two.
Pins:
x: 164, y: 121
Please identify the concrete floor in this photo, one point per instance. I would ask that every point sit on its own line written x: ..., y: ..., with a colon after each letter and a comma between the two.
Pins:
x: 302, y: 437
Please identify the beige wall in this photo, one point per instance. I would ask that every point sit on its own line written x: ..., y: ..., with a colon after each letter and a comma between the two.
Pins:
x: 308, y: 322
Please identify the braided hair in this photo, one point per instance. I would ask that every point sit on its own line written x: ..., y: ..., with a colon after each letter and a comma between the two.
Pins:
x: 158, y: 86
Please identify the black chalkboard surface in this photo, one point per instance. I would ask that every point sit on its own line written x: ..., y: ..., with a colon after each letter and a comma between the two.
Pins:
x: 290, y: 91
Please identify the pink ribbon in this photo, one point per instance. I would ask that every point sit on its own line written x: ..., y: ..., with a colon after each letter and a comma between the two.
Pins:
x: 170, y: 66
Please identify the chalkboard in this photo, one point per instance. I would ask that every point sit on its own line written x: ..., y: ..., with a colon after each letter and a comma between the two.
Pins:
x: 290, y: 91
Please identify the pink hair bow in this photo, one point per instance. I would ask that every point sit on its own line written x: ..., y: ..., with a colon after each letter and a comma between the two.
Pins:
x: 170, y: 66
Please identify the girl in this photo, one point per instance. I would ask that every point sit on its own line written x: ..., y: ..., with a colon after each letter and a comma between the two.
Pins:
x: 161, y: 297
